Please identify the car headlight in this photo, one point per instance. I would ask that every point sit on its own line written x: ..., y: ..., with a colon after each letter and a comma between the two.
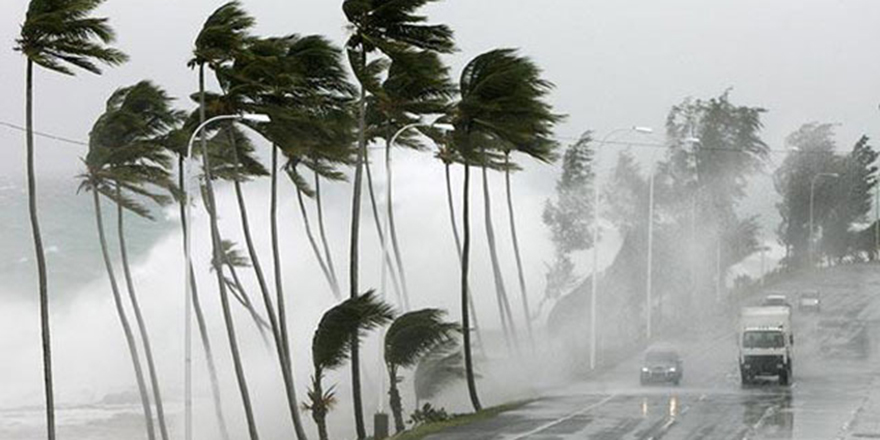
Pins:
x: 645, y: 369
x: 672, y: 370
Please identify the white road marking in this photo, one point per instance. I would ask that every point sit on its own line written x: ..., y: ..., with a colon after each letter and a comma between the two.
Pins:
x: 565, y: 418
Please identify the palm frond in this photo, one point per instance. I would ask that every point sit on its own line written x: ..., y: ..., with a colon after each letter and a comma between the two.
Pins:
x: 412, y: 335
x: 437, y: 371
x: 224, y: 32
x: 58, y: 35
x: 344, y: 324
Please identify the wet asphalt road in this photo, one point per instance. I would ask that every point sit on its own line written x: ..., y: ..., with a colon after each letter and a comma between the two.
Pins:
x: 835, y: 394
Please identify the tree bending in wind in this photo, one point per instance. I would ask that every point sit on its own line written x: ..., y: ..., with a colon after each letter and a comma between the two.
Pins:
x: 224, y: 32
x: 127, y: 163
x: 332, y: 345
x: 502, y: 101
x: 387, y: 27
x: 58, y: 36
x: 410, y: 338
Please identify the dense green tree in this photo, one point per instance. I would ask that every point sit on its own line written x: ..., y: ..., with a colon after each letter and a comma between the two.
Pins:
x: 58, y: 36
x: 333, y: 343
x: 386, y: 27
x: 569, y: 216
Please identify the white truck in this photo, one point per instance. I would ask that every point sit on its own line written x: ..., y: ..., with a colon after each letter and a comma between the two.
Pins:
x: 765, y: 343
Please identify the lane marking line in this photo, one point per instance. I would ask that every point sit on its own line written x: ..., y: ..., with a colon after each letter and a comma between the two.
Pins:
x: 565, y: 418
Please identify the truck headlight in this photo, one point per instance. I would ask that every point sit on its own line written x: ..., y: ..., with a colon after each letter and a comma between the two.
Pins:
x: 645, y: 369
x: 672, y: 370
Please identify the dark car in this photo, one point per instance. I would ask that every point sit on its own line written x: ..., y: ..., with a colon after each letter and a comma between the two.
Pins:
x: 810, y: 301
x: 661, y: 366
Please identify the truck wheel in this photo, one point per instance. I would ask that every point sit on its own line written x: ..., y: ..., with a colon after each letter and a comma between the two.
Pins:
x: 746, y: 380
x: 783, y: 377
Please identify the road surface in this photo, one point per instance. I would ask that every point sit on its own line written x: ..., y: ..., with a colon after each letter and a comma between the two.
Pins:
x: 835, y: 393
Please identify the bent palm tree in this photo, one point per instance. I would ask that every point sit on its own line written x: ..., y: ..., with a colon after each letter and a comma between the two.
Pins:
x: 409, y: 339
x: 57, y: 36
x: 387, y: 27
x: 333, y: 343
x: 125, y: 158
x: 222, y: 35
x: 502, y: 101
x: 136, y: 120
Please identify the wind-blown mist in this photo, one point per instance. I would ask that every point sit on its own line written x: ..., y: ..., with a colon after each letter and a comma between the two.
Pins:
x: 95, y: 380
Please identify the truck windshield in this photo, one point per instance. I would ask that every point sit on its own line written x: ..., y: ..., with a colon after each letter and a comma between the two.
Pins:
x: 763, y: 339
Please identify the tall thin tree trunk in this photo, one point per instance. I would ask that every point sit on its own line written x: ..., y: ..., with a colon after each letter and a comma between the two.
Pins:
x: 394, y: 400
x: 392, y: 230
x: 334, y: 288
x: 200, y: 317
x: 328, y: 256
x: 401, y: 294
x: 126, y: 327
x: 45, y: 332
x: 465, y: 315
x: 519, y: 267
x: 240, y: 295
x: 454, y: 224
x: 319, y: 408
x: 139, y: 319
x: 500, y: 291
x: 360, y: 429
x: 217, y: 261
x: 282, y: 314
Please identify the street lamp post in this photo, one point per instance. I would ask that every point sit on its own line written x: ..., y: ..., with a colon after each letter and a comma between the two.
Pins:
x: 595, y: 274
x: 812, y: 196
x: 187, y: 249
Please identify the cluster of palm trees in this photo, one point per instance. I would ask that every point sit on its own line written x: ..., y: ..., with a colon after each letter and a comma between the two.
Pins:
x: 316, y: 120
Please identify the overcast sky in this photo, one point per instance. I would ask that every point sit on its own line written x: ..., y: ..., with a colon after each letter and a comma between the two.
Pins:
x: 615, y: 63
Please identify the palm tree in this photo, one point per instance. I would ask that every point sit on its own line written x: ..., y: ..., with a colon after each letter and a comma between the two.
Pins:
x: 137, y: 117
x: 222, y: 35
x: 57, y: 36
x: 438, y: 369
x: 125, y: 159
x: 502, y: 101
x: 333, y: 343
x: 387, y: 27
x: 409, y: 339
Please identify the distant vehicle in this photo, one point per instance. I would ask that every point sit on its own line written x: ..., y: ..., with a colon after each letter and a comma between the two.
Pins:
x: 810, y: 301
x: 775, y: 300
x: 765, y: 343
x: 661, y: 365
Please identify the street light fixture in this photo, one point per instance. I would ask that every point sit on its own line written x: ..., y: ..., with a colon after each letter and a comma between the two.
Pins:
x: 257, y: 118
x: 812, y: 194
x: 595, y: 275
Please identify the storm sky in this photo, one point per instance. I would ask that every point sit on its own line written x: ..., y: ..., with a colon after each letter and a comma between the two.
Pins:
x: 615, y: 63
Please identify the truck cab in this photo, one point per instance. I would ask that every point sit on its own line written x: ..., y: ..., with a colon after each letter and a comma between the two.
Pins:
x: 765, y: 343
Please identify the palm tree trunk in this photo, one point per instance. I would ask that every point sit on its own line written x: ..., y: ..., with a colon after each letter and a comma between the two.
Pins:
x: 280, y: 346
x: 279, y: 292
x: 328, y: 258
x: 402, y: 299
x: 324, y: 269
x: 353, y: 257
x: 45, y: 332
x: 126, y: 327
x: 519, y: 266
x: 200, y: 318
x: 395, y: 401
x: 454, y: 224
x: 392, y: 230
x: 139, y: 319
x: 217, y: 247
x: 319, y: 407
x: 244, y: 299
x: 500, y: 291
x: 465, y: 315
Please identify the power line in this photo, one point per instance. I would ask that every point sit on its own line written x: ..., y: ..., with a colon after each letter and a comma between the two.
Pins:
x: 45, y: 135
